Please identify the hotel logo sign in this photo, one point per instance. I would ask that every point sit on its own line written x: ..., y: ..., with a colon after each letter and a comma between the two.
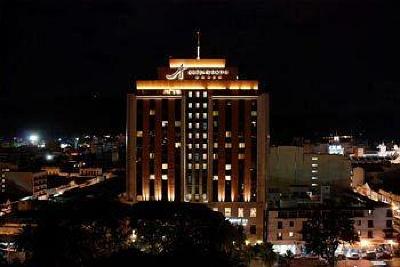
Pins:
x: 197, y: 74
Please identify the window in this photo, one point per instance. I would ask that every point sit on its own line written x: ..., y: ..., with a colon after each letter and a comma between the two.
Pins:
x: 370, y: 212
x: 291, y: 223
x: 204, y: 166
x: 197, y: 125
x: 227, y: 177
x: 190, y: 146
x: 240, y: 212
x: 314, y: 178
x: 389, y: 213
x: 164, y: 166
x: 241, y: 156
x: 139, y: 133
x: 370, y: 223
x: 190, y: 105
x: 228, y: 134
x: 215, y: 209
x: 197, y: 135
x: 314, y: 171
x: 151, y: 156
x: 204, y: 146
x: 227, y: 212
x: 314, y: 165
x: 389, y: 223
x: 314, y: 158
x: 190, y: 156
x: 359, y: 233
x: 242, y: 145
x: 253, y: 229
x: 197, y: 166
x: 370, y: 234
x: 197, y: 115
x: 204, y: 94
x: 204, y: 105
x: 215, y: 113
x: 228, y: 145
x: 254, y: 113
x: 190, y: 115
x: 215, y: 177
x: 228, y: 167
x: 204, y: 115
x: 189, y: 165
x: 152, y: 176
x: 152, y: 112
x: 197, y: 105
x: 164, y: 123
x: 204, y: 135
x: 197, y: 94
x: 291, y: 234
x: 204, y: 156
x: 197, y: 145
x: 314, y: 184
x: 177, y: 145
x: 164, y: 177
x: 190, y: 125
x: 215, y: 145
x: 190, y: 94
x: 215, y: 156
x: 279, y: 236
x: 280, y: 225
x: 253, y: 212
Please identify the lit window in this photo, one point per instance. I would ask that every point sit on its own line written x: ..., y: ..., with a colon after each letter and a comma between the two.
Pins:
x: 241, y: 156
x: 204, y: 156
x: 190, y: 156
x: 215, y: 113
x: 253, y: 212
x: 197, y: 135
x: 242, y: 145
x: 197, y: 94
x: 197, y: 125
x: 190, y: 105
x: 314, y: 165
x: 139, y: 133
x: 227, y: 177
x: 204, y: 135
x: 164, y: 123
x: 152, y: 176
x: 197, y: 105
x: 204, y: 105
x: 204, y: 115
x: 204, y: 146
x: 314, y: 171
x: 190, y: 115
x: 240, y: 212
x: 215, y: 145
x: 215, y: 209
x: 197, y: 166
x: 228, y: 145
x: 177, y: 123
x: 164, y: 166
x: 254, y: 113
x: 228, y: 134
x: 164, y: 177
x: 215, y: 156
x: 204, y: 125
x: 215, y: 177
x: 190, y: 125
x: 204, y: 94
x: 177, y: 145
x: 228, y: 167
x: 204, y: 166
x: 190, y: 94
x: 227, y: 212
x: 151, y: 155
x: 190, y: 135
x: 291, y: 234
x: 189, y: 165
x: 314, y: 158
x: 197, y: 145
x: 190, y: 146
x: 313, y: 184
x: 314, y: 178
x: 152, y: 112
x: 197, y: 115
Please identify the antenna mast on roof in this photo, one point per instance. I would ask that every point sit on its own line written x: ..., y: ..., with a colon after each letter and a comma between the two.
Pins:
x: 198, y: 44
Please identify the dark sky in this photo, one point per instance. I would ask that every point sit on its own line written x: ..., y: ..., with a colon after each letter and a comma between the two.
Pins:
x: 329, y: 65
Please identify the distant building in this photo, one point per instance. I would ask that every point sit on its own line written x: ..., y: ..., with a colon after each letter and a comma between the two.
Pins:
x: 293, y: 165
x: 373, y: 223
x: 90, y: 171
x: 199, y: 134
x: 33, y: 183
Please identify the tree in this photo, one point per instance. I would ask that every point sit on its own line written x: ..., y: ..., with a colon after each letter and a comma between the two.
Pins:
x: 263, y: 252
x: 325, y: 231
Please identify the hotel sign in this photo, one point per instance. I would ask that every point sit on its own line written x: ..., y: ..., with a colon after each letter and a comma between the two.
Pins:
x: 183, y: 73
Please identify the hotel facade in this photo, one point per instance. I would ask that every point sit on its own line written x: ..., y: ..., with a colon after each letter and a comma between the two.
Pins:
x: 200, y: 134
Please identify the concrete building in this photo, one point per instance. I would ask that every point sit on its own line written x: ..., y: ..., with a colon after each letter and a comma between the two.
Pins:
x: 373, y: 224
x: 295, y: 165
x: 199, y: 134
x: 33, y: 183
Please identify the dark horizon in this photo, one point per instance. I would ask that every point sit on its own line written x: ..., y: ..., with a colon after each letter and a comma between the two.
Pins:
x: 330, y: 66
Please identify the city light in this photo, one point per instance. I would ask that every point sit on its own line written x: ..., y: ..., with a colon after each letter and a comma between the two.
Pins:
x: 364, y: 243
x: 33, y: 139
x: 49, y: 157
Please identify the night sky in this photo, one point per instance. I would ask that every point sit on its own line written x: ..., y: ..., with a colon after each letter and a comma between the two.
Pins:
x: 66, y: 66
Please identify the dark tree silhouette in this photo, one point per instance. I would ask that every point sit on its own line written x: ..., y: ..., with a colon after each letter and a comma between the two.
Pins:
x: 325, y: 231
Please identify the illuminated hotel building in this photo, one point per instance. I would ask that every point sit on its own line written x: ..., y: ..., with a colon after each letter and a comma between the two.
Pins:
x: 199, y: 134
